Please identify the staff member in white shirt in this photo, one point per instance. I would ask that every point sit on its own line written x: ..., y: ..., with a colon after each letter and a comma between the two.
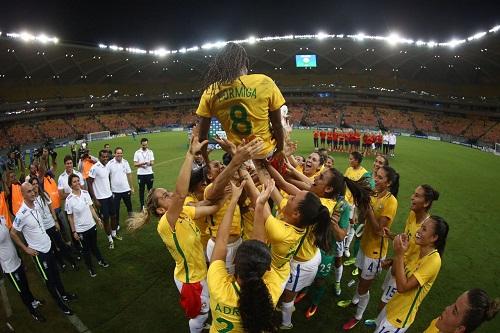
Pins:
x: 121, y: 183
x: 392, y: 144
x: 82, y: 217
x: 100, y: 192
x: 14, y: 270
x: 28, y: 222
x: 144, y: 160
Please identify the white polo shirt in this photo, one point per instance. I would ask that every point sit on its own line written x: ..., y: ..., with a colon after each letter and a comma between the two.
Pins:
x: 44, y: 211
x: 9, y: 260
x: 62, y: 181
x: 142, y: 156
x: 29, y: 222
x: 118, y: 172
x: 101, y: 185
x: 385, y: 138
x: 392, y: 139
x: 79, y: 206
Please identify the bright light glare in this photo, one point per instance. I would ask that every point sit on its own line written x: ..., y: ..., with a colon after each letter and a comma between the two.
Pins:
x: 321, y: 35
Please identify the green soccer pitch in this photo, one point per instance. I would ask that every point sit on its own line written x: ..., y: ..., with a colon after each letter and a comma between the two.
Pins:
x: 137, y: 292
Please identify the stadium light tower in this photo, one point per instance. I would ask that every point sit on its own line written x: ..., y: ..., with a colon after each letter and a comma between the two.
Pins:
x: 321, y: 35
x: 252, y: 40
x: 393, y: 38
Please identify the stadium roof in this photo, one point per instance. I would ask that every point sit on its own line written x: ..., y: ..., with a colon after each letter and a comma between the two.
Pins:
x: 33, y: 67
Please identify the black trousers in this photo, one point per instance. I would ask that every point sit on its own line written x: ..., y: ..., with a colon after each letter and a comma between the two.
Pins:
x: 117, y: 197
x: 315, y: 142
x: 144, y: 180
x: 89, y: 244
x: 61, y: 250
x: 46, y: 265
x: 20, y: 283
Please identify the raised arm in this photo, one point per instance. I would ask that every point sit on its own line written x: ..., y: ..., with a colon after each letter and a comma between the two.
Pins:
x: 403, y: 283
x: 263, y: 178
x: 204, y: 128
x: 220, y: 248
x: 182, y: 185
x: 281, y: 182
x: 262, y: 211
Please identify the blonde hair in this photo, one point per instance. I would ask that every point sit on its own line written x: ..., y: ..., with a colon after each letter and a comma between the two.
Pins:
x: 138, y: 220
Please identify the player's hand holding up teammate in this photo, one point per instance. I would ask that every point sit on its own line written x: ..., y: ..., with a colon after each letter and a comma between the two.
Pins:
x: 248, y: 151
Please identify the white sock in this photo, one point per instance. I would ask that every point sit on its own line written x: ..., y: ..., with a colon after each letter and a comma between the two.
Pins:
x: 338, y: 273
x: 362, y: 304
x: 113, y: 233
x: 196, y: 324
x: 286, y: 313
x: 110, y: 238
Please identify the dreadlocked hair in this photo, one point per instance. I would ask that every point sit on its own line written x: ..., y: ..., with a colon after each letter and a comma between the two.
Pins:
x: 226, y: 67
x: 252, y: 260
x: 137, y: 220
x: 317, y: 216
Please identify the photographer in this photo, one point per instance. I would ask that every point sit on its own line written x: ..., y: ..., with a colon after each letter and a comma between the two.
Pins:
x: 14, y: 195
x: 85, y: 162
x: 15, y: 161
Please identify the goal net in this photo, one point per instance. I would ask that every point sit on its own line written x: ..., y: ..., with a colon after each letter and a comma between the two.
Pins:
x: 497, y: 148
x: 98, y: 136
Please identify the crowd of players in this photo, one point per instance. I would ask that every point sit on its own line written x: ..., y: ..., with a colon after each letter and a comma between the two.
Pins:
x: 253, y: 234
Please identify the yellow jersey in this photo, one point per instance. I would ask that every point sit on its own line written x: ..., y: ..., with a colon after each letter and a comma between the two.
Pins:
x: 243, y: 107
x: 216, y: 219
x: 432, y: 327
x: 184, y: 244
x: 308, y: 249
x: 373, y: 245
x: 224, y: 297
x: 402, y: 308
x: 284, y: 240
x: 353, y: 174
x: 247, y: 220
x: 201, y: 223
x: 411, y: 228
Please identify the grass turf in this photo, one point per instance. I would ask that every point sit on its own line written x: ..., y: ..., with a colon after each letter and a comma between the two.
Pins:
x: 137, y: 293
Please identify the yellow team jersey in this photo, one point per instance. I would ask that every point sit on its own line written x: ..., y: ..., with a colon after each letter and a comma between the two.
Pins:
x: 215, y: 220
x: 373, y: 245
x: 224, y: 297
x: 353, y: 174
x: 402, y: 308
x: 432, y: 327
x: 247, y: 221
x: 307, y: 249
x: 243, y: 107
x: 284, y: 240
x: 184, y: 244
x: 411, y: 228
x: 201, y: 223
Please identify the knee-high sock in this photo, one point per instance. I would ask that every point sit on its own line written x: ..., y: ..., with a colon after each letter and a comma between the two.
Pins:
x: 338, y: 273
x: 362, y: 304
x: 286, y: 313
x: 196, y: 324
x: 350, y: 235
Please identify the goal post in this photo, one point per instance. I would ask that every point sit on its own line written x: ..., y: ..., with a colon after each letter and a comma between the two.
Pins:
x: 497, y: 149
x: 98, y: 135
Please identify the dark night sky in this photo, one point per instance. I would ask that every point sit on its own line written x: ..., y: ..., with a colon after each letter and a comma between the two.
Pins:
x: 150, y: 24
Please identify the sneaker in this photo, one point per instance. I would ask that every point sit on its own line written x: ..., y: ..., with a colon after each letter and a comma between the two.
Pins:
x: 370, y: 323
x: 355, y: 272
x: 344, y: 303
x: 38, y: 316
x: 69, y: 297
x: 92, y: 273
x: 118, y: 237
x: 286, y: 327
x: 349, y: 261
x: 338, y: 291
x: 299, y: 297
x: 67, y: 311
x: 103, y: 263
x: 311, y: 311
x: 111, y: 245
x: 347, y: 254
x: 350, y: 324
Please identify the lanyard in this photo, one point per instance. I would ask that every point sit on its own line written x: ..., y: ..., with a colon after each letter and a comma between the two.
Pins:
x: 36, y: 219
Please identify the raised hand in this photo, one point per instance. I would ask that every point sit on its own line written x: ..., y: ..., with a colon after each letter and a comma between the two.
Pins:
x: 237, y: 190
x: 226, y: 145
x: 248, y: 150
x: 267, y: 188
x: 195, y: 145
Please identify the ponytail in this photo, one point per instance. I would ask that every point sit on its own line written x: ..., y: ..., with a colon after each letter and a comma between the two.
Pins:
x: 393, y: 177
x: 251, y: 261
x: 441, y: 229
x: 314, y: 214
x: 430, y: 195
x: 481, y: 308
x: 361, y: 192
x: 138, y: 220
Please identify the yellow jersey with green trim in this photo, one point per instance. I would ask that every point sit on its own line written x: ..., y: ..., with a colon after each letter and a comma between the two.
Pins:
x: 411, y: 228
x: 284, y: 239
x: 201, y: 223
x: 402, y: 308
x: 373, y: 245
x: 247, y: 218
x: 432, y: 327
x: 353, y: 174
x: 243, y: 108
x: 216, y: 219
x: 308, y: 249
x: 224, y: 296
x: 184, y: 244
